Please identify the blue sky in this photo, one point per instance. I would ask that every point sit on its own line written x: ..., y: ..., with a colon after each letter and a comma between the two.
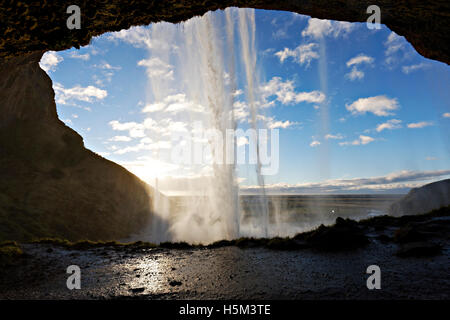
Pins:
x: 357, y: 110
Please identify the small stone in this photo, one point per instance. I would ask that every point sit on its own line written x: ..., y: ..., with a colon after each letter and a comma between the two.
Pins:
x: 174, y: 283
x: 137, y: 290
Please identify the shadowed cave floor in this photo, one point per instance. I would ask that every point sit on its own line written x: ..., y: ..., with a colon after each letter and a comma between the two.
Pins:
x: 229, y: 272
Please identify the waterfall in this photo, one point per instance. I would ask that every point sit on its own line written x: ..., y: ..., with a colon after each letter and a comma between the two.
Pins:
x: 205, y: 60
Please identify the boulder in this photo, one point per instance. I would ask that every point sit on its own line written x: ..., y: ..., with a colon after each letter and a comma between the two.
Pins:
x: 345, y: 234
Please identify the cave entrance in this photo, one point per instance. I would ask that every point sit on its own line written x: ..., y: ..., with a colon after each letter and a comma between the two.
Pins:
x: 347, y: 103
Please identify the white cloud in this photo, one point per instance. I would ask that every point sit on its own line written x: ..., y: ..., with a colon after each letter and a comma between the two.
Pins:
x: 139, y: 37
x: 396, y: 49
x: 86, y: 94
x: 318, y: 28
x: 418, y: 125
x: 174, y: 104
x: 393, y: 43
x: 402, y: 180
x: 315, y: 143
x: 286, y: 94
x: 49, y: 61
x: 414, y: 67
x: 334, y: 137
x: 272, y: 123
x: 237, y: 93
x: 240, y: 111
x: 135, y: 130
x: 120, y: 139
x: 303, y: 54
x: 365, y: 139
x: 390, y: 125
x: 154, y: 107
x: 241, y: 141
x: 144, y: 146
x: 359, y: 59
x: 105, y: 65
x: 77, y: 55
x: 431, y: 158
x: 280, y: 124
x: 310, y: 97
x: 355, y: 74
x: 362, y: 140
x: 148, y: 168
x: 160, y: 128
x: 104, y: 154
x: 446, y: 115
x: 378, y: 105
x: 107, y: 71
x: 155, y: 67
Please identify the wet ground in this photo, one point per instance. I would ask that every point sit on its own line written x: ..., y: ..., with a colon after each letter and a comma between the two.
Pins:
x: 226, y: 273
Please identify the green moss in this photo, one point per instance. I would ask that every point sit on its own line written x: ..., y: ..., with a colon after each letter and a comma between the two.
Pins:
x: 222, y: 243
x: 87, y: 244
x: 10, y: 253
x: 176, y: 245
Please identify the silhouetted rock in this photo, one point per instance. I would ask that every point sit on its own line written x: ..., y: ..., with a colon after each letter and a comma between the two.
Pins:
x: 423, y: 227
x: 424, y: 199
x: 408, y: 234
x: 344, y: 235
x: 50, y: 184
x: 175, y: 245
x: 249, y: 242
x: 175, y: 283
x: 137, y: 290
x: 286, y: 244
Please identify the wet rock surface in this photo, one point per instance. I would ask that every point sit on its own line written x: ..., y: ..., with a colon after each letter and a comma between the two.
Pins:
x: 27, y: 27
x: 410, y: 269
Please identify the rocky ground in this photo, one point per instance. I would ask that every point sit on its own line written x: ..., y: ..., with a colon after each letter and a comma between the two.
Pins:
x: 328, y: 263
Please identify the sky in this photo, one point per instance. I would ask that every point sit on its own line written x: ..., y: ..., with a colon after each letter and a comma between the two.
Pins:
x: 358, y: 110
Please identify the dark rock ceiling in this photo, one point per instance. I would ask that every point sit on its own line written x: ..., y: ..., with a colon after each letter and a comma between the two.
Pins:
x: 28, y: 26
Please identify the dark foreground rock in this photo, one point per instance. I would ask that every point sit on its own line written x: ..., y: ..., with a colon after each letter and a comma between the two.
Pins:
x: 345, y: 234
x: 51, y: 185
x: 280, y: 268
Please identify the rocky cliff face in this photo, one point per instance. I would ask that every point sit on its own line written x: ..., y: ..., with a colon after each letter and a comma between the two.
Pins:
x: 29, y: 26
x: 422, y: 200
x: 51, y: 186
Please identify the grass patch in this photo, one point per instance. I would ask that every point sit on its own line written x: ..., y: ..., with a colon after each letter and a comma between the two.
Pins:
x: 10, y: 253
x: 177, y: 245
x: 87, y: 244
